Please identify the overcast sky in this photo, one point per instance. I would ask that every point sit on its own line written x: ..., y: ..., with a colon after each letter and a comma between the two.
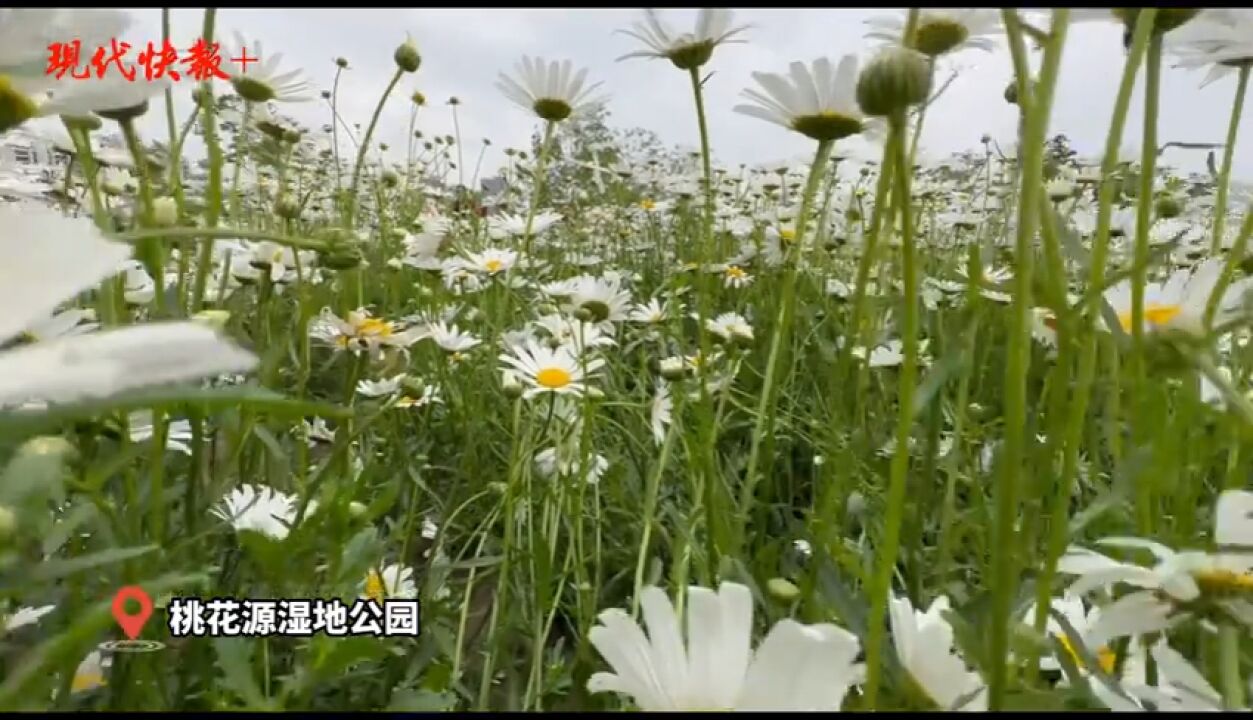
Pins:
x: 463, y: 50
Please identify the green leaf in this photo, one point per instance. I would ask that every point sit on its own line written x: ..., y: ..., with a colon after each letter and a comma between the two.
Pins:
x: 56, y: 569
x: 940, y: 372
x: 234, y: 659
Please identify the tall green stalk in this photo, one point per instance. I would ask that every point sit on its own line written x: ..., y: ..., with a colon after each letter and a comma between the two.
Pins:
x: 537, y: 186
x: 213, y: 193
x: 350, y: 203
x: 1036, y: 102
x: 1229, y: 153
x: 889, y: 544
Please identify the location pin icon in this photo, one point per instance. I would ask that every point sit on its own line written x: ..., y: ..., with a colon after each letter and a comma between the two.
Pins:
x: 132, y: 623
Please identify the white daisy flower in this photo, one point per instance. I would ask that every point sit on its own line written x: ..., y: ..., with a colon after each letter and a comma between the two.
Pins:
x: 818, y: 101
x: 685, y: 50
x: 35, y: 278
x: 552, y: 90
x: 1177, y: 580
x: 941, y: 30
x: 450, y: 339
x: 548, y: 370
x: 260, y: 509
x: 264, y: 83
x: 652, y: 312
x: 394, y: 581
x: 924, y: 646
x: 506, y: 225
x: 1179, y: 303
x: 380, y: 388
x: 177, y: 432
x: 493, y: 260
x: 662, y: 409
x: 713, y: 666
x: 730, y: 326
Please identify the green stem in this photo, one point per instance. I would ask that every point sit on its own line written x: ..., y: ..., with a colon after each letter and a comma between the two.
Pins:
x: 1229, y: 153
x: 1144, y: 220
x: 350, y: 203
x: 241, y: 156
x: 213, y: 193
x: 881, y: 588
x: 1037, y: 106
x: 339, y: 181
x: 150, y: 252
x: 537, y: 185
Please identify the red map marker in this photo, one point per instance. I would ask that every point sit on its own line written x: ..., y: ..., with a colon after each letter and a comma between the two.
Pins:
x: 132, y: 624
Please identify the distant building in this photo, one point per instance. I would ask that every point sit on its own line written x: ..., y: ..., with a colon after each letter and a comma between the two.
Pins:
x: 21, y: 150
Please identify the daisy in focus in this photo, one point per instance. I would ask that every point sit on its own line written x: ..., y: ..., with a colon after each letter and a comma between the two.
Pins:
x: 550, y: 370
x: 550, y: 89
x: 817, y: 100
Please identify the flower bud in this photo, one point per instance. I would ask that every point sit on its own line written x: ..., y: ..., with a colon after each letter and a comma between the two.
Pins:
x: 253, y: 90
x: 510, y: 384
x: 341, y: 257
x: 165, y: 212
x: 1169, y: 206
x: 342, y: 62
x: 673, y: 368
x: 407, y: 57
x: 892, y: 81
x: 1059, y: 190
x: 287, y: 208
x: 782, y: 589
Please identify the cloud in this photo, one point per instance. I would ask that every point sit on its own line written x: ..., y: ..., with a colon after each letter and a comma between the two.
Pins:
x: 464, y: 49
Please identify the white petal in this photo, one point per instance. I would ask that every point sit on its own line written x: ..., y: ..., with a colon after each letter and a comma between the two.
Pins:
x: 36, y: 270
x: 800, y: 667
x: 105, y: 363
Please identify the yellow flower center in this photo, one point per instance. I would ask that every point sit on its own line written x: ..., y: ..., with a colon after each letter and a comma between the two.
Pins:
x: 553, y: 378
x: 1224, y: 582
x: 493, y: 265
x: 374, y: 326
x: 647, y: 204
x: 1156, y: 314
x: 787, y: 235
x: 735, y: 272
x: 938, y: 36
x: 374, y: 588
x: 87, y: 680
x: 826, y: 125
x: 1105, y: 657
